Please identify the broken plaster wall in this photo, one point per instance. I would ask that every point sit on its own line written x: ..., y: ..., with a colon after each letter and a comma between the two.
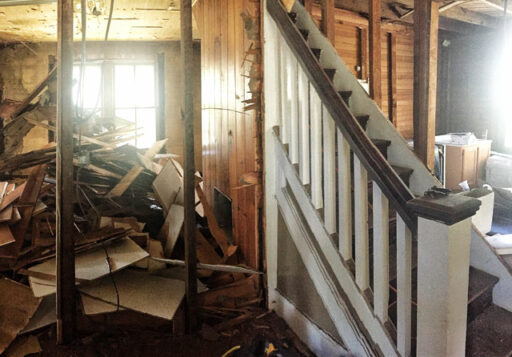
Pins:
x: 23, y: 67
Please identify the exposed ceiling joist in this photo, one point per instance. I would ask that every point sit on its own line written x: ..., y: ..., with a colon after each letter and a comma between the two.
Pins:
x: 25, y: 2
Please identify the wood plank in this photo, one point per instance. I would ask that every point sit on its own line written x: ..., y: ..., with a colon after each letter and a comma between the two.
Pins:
x: 125, y: 182
x: 217, y: 232
x: 316, y: 148
x: 375, y: 50
x: 6, y: 236
x: 12, y: 196
x: 303, y: 93
x: 426, y: 23
x: 328, y: 21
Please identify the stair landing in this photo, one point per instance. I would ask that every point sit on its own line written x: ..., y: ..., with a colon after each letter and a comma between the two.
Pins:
x: 490, y: 334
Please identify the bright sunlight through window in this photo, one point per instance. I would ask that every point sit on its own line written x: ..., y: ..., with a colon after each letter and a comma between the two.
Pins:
x: 133, y: 96
x: 502, y: 89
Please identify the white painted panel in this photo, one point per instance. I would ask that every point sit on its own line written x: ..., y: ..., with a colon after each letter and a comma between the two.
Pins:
x: 285, y: 105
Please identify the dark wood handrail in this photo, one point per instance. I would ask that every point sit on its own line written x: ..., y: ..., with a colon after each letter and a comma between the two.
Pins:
x: 373, y: 161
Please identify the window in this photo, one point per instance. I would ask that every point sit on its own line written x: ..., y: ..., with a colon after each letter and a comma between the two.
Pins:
x: 132, y: 97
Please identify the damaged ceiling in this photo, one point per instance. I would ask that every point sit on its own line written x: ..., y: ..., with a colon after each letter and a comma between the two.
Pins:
x: 133, y: 20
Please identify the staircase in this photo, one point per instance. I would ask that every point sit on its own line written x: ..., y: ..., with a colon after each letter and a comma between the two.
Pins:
x: 346, y: 185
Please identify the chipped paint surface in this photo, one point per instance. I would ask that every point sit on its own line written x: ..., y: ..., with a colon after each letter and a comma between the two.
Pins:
x: 134, y: 20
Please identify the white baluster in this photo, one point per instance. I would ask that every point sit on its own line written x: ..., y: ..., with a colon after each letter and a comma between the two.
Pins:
x: 361, y: 225
x: 345, y: 198
x: 404, y: 286
x: 329, y: 132
x: 316, y: 148
x: 285, y: 108
x: 380, y: 253
x: 303, y: 95
x: 294, y: 108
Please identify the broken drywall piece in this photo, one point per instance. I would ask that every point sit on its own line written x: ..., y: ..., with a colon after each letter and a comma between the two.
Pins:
x: 171, y: 229
x: 90, y: 265
x: 24, y: 346
x: 45, y: 315
x: 93, y: 306
x: 180, y: 273
x: 17, y: 306
x: 167, y: 186
x: 138, y: 291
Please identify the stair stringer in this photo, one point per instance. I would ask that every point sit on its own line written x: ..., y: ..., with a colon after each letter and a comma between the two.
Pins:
x: 378, y: 126
x: 331, y: 276
x: 483, y: 257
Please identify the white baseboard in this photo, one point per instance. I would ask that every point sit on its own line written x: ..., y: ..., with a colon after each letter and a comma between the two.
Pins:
x: 316, y: 339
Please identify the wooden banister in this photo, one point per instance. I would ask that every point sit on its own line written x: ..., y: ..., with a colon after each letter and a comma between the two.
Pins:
x: 370, y: 157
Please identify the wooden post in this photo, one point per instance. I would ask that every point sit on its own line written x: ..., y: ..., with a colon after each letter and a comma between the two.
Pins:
x: 187, y: 111
x: 66, y: 307
x: 444, y: 239
x: 375, y: 51
x: 328, y: 23
x: 426, y: 24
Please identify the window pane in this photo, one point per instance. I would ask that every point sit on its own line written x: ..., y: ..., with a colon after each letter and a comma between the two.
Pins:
x: 125, y: 89
x: 127, y: 114
x: 146, y: 119
x: 90, y: 97
x: 145, y: 85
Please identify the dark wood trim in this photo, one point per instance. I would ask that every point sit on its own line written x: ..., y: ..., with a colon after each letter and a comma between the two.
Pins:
x: 362, y: 56
x: 378, y: 168
x: 375, y: 51
x: 392, y: 78
x: 448, y: 209
x: 65, y: 253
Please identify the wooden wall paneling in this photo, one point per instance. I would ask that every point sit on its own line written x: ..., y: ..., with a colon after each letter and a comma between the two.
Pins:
x: 363, y: 61
x: 385, y: 77
x: 328, y: 20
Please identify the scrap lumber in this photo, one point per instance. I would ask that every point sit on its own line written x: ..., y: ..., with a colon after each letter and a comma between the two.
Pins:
x: 212, y: 267
x: 240, y: 290
x: 6, y: 236
x: 155, y: 249
x: 17, y: 306
x: 171, y: 229
x: 12, y: 196
x: 205, y: 252
x: 6, y: 214
x: 138, y: 291
x: 220, y: 236
x: 125, y: 182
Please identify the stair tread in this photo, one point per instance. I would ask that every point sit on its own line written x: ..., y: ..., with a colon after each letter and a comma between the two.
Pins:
x: 402, y: 170
x: 479, y: 282
x: 378, y: 142
x: 490, y: 334
x: 316, y: 52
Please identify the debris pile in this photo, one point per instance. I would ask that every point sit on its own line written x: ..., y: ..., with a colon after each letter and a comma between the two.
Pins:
x: 129, y: 255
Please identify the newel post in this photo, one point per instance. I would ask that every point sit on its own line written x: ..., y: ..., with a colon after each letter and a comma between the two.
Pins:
x: 444, y: 237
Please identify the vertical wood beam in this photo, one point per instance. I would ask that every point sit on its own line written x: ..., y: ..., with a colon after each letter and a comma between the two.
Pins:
x: 426, y: 24
x: 375, y: 51
x: 392, y: 79
x: 66, y: 307
x: 308, y: 4
x: 187, y: 112
x: 328, y: 23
